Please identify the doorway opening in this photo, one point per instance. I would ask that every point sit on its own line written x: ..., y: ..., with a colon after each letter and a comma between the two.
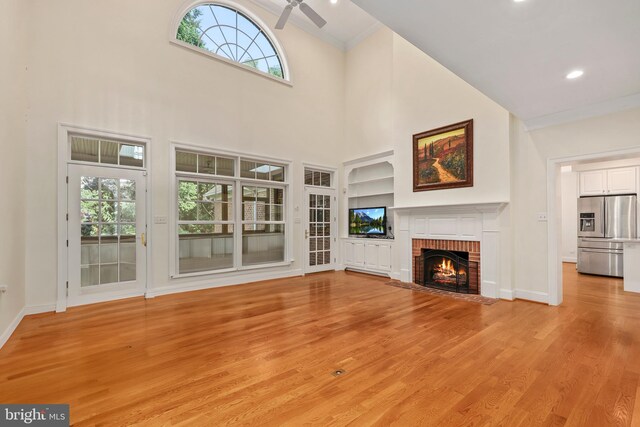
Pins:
x: 574, y: 183
x: 102, y: 216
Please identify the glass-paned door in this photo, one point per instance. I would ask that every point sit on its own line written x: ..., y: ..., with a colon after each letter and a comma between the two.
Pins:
x: 107, y: 233
x: 320, y: 232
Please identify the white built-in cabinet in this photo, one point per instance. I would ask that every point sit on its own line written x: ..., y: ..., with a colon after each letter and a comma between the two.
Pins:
x: 369, y: 182
x: 371, y: 255
x: 609, y: 181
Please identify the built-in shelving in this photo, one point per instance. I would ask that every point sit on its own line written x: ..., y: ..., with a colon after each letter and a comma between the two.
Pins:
x: 373, y: 178
x: 369, y: 182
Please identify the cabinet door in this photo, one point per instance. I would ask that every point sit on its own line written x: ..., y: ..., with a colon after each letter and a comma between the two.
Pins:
x: 384, y: 257
x: 349, y: 253
x: 358, y: 254
x: 371, y: 255
x: 621, y: 181
x: 592, y: 183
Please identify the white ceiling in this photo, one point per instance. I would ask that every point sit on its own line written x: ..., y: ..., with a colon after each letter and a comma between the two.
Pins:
x: 519, y: 53
x: 347, y: 24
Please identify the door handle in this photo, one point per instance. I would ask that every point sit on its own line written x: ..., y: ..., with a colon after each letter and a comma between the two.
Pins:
x: 143, y: 239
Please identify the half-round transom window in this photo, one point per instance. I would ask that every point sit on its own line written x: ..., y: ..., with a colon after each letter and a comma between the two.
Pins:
x: 230, y: 34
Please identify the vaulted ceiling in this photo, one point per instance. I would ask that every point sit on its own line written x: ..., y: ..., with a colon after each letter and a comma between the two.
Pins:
x: 347, y: 24
x: 519, y: 52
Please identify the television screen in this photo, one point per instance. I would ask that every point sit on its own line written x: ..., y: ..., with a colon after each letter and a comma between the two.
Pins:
x: 368, y: 221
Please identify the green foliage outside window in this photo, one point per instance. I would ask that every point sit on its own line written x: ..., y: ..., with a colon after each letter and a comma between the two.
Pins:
x: 188, y: 29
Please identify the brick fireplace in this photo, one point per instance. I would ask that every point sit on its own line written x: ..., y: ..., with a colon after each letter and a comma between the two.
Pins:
x: 479, y: 229
x: 460, y: 257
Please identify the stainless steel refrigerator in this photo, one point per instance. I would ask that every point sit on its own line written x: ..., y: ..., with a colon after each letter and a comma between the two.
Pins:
x: 602, y: 223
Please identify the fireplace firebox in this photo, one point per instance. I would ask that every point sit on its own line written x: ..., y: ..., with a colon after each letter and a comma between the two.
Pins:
x: 446, y: 270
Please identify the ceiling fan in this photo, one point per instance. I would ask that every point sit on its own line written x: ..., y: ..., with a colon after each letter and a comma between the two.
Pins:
x: 304, y: 8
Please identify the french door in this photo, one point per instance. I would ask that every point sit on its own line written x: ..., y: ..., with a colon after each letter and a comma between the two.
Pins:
x: 106, y: 234
x: 320, y: 231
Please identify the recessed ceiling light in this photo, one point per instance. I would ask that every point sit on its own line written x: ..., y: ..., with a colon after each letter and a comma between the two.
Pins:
x: 334, y: 1
x: 575, y: 74
x: 518, y: 1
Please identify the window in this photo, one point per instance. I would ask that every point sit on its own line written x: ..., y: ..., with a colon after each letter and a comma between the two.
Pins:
x: 317, y: 178
x: 205, y: 225
x: 262, y: 225
x: 232, y: 35
x: 205, y: 164
x: 260, y: 170
x: 226, y: 218
x: 84, y: 149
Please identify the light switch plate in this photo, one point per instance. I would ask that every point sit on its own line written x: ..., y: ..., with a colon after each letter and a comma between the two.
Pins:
x: 542, y: 216
x: 159, y: 219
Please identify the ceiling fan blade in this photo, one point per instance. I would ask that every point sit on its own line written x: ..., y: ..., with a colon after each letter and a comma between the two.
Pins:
x: 284, y: 17
x: 312, y: 14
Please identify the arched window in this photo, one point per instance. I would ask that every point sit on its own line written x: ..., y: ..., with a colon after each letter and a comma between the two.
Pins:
x: 231, y: 34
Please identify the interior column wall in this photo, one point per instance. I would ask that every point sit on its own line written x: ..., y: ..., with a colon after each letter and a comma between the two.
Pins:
x: 13, y: 111
x: 530, y: 154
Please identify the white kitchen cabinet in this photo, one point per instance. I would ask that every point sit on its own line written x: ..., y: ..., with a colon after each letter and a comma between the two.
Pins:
x: 593, y: 183
x: 609, y: 181
x: 368, y: 255
x: 621, y: 181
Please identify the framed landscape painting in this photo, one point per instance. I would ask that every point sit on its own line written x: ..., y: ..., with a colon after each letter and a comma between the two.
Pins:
x: 443, y: 157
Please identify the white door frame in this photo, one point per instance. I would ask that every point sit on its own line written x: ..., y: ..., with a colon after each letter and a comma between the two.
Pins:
x: 64, y: 159
x: 554, y: 215
x: 334, y: 229
x: 305, y: 211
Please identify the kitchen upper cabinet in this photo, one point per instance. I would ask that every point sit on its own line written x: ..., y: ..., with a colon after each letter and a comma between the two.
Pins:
x: 610, y: 181
x: 593, y: 183
x: 621, y: 181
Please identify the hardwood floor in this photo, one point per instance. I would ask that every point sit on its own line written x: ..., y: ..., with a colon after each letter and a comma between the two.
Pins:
x: 264, y: 353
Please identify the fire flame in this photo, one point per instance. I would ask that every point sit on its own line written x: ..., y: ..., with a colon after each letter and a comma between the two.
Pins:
x: 447, y: 269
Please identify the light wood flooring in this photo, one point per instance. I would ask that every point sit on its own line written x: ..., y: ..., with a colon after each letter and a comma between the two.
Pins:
x: 264, y: 353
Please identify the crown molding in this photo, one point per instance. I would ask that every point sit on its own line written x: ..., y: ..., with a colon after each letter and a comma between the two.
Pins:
x: 586, y: 112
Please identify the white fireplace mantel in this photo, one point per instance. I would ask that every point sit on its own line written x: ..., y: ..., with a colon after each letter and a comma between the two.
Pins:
x: 459, y: 208
x: 483, y: 222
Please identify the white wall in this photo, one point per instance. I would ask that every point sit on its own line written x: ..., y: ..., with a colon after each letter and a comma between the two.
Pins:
x: 530, y: 153
x: 109, y: 65
x: 13, y: 109
x: 368, y: 96
x: 394, y: 91
x: 569, y: 185
x: 428, y: 96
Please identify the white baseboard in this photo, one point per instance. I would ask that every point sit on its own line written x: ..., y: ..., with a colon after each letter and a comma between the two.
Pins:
x: 217, y: 283
x: 508, y: 294
x: 11, y: 328
x: 573, y: 260
x: 535, y: 296
x: 37, y: 309
x: 395, y: 275
x: 26, y: 311
x: 367, y: 271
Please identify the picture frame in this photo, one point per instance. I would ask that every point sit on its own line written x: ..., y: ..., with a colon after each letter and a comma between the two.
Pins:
x: 443, y: 157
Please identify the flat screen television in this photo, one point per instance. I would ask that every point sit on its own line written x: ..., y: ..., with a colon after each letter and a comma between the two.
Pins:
x: 370, y: 222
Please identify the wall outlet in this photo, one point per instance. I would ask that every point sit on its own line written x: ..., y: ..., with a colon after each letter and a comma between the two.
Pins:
x: 542, y: 216
x: 3, y: 289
